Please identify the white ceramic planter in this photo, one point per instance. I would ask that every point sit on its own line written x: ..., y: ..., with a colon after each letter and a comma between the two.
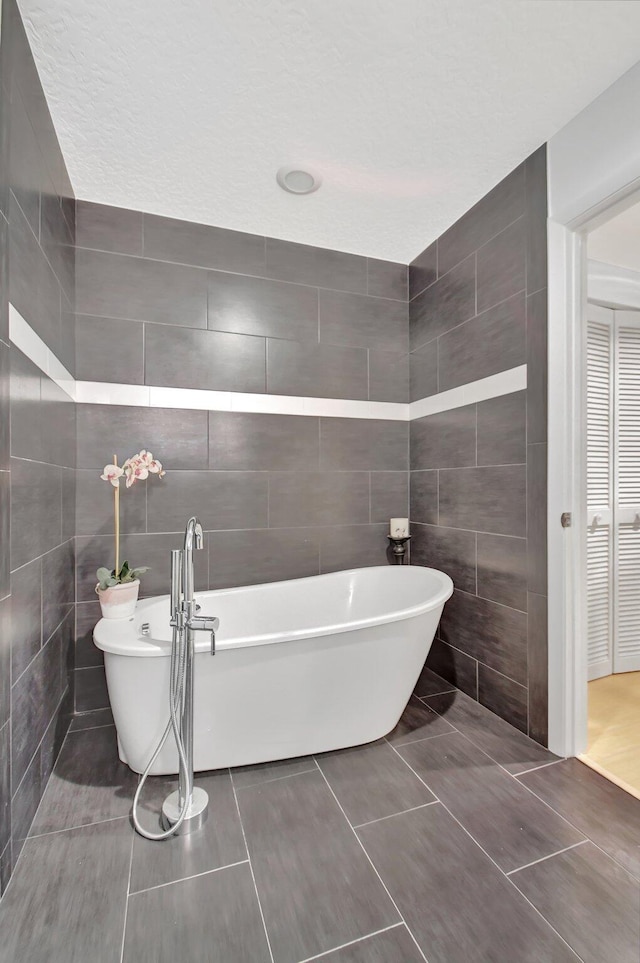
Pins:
x: 119, y: 601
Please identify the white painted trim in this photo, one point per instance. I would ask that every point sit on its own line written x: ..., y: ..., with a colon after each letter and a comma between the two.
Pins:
x: 617, y: 287
x: 503, y: 383
x: 566, y: 457
x: 593, y: 170
x: 154, y: 396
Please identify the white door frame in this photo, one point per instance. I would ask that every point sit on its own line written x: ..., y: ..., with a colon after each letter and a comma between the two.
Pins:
x: 567, y: 280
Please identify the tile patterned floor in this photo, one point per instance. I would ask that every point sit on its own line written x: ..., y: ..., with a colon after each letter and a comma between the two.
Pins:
x: 453, y: 840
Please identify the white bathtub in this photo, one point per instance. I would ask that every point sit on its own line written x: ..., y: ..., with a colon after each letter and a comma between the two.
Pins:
x: 301, y: 667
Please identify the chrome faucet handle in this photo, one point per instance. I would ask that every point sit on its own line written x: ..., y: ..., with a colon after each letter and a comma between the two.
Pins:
x: 206, y: 623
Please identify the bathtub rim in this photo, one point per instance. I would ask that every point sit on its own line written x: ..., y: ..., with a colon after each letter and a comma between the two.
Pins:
x: 121, y: 636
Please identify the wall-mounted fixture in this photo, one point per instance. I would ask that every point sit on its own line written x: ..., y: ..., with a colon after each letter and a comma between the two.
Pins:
x: 296, y: 180
x: 399, y: 536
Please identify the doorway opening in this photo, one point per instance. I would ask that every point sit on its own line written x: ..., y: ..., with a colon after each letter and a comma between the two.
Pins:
x: 612, y: 490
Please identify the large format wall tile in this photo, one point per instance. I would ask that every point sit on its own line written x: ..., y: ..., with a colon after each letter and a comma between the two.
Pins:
x: 167, y: 239
x: 503, y: 696
x: 353, y: 546
x: 448, y: 550
x: 491, y: 342
x: 213, y: 360
x: 445, y: 304
x: 320, y: 267
x: 389, y: 495
x: 258, y: 442
x: 444, y: 440
x: 423, y: 270
x: 221, y: 500
x: 424, y: 497
x: 454, y: 666
x: 502, y: 569
x: 175, y: 436
x: 119, y: 286
x: 317, y: 370
x: 363, y: 321
x: 351, y: 444
x: 501, y: 266
x: 388, y: 376
x: 484, y: 499
x: 493, y: 634
x: 273, y: 309
x: 109, y: 349
x: 387, y: 279
x: 325, y: 498
x: 108, y: 228
x: 492, y: 214
x: 263, y: 555
x: 502, y: 438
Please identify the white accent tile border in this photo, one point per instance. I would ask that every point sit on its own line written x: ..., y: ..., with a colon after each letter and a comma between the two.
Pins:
x: 32, y: 345
x: 503, y: 383
x: 151, y: 396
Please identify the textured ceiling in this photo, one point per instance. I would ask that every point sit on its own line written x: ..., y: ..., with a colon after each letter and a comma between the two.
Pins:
x: 618, y: 241
x: 410, y: 109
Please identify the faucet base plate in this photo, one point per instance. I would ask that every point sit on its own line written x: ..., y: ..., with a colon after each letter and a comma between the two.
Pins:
x: 196, y: 814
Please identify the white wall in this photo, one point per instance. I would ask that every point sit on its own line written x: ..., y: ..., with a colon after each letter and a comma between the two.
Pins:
x: 597, y: 154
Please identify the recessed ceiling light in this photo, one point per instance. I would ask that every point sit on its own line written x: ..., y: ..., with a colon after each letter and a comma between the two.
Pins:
x: 294, y: 180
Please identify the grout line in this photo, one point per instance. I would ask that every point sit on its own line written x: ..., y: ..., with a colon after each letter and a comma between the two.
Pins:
x: 126, y: 901
x: 413, y: 742
x: 184, y: 879
x: 360, y: 939
x: 542, y: 859
x: 492, y: 860
x: 68, y: 829
x: 288, y: 775
x: 432, y: 695
x: 543, y: 765
x: 253, y: 875
x: 361, y: 844
x: 400, y: 813
x: 104, y: 725
x: 635, y: 876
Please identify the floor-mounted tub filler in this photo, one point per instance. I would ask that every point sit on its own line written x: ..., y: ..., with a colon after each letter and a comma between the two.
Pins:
x: 303, y: 666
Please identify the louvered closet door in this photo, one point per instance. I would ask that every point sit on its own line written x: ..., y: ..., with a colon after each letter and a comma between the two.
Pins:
x: 599, y: 490
x: 626, y: 611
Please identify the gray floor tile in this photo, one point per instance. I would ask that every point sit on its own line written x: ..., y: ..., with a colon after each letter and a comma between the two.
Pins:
x: 606, y: 814
x: 91, y: 720
x: 316, y: 886
x: 510, y: 824
x: 372, y: 781
x: 218, y: 843
x: 245, y: 776
x: 66, y: 902
x: 457, y: 904
x: 418, y: 721
x: 511, y: 748
x: 430, y: 683
x: 393, y: 946
x: 213, y: 918
x: 88, y: 783
x: 590, y: 900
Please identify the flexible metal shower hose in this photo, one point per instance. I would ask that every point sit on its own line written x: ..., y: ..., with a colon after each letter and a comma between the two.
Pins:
x: 177, y: 682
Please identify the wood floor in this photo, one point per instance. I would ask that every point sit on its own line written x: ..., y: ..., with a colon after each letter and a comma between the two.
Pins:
x: 614, y: 729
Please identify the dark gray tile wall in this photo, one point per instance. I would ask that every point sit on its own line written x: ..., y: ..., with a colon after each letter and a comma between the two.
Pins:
x: 478, y: 473
x: 171, y: 303
x: 37, y: 445
x: 188, y: 305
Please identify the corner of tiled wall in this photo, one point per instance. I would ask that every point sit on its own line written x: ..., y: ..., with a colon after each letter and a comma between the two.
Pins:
x: 478, y: 471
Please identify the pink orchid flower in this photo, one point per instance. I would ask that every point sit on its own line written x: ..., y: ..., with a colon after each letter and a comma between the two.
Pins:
x: 112, y: 473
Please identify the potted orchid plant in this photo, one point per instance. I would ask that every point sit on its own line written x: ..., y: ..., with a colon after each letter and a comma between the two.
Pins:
x: 118, y: 588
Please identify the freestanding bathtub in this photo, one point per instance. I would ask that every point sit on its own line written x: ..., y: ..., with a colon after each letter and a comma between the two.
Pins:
x: 301, y: 667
